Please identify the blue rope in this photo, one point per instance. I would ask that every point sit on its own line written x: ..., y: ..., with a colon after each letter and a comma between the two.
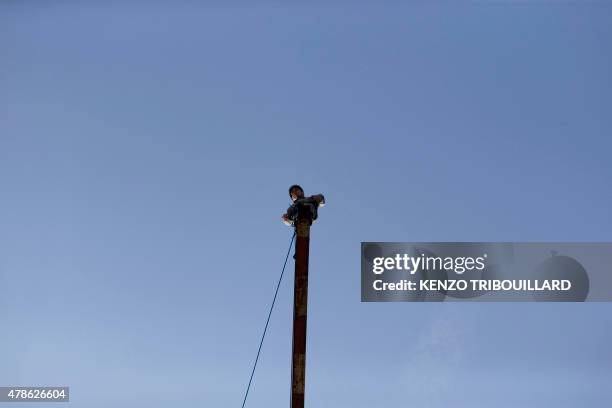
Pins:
x: 267, y: 321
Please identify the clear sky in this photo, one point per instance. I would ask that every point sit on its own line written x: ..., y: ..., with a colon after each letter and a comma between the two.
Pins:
x: 145, y: 156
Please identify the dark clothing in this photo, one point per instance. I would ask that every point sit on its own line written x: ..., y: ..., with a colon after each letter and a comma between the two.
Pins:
x: 311, y: 204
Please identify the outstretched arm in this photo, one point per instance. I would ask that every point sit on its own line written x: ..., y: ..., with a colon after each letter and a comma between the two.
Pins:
x: 319, y: 199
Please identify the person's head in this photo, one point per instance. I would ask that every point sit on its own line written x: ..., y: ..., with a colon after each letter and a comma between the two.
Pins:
x: 296, y: 192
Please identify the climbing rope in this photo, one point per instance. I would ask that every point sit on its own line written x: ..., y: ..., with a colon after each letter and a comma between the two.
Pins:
x: 246, y: 394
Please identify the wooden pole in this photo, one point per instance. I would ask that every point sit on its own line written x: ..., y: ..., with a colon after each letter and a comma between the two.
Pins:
x: 300, y: 307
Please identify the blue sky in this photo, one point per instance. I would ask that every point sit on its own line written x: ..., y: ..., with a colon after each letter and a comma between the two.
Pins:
x: 145, y: 153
